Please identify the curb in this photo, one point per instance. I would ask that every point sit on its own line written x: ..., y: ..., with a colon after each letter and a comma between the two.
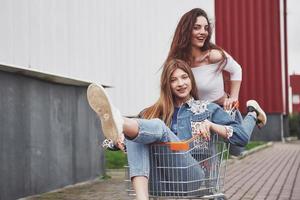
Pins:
x: 84, y: 183
x: 254, y: 150
x: 290, y: 139
x: 249, y: 152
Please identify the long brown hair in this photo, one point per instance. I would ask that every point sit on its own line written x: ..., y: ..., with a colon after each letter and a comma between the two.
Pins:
x: 181, y: 46
x: 164, y: 107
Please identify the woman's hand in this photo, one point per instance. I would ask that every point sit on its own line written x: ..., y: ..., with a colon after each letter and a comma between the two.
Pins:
x: 229, y: 102
x: 204, y: 130
x: 120, y: 143
x: 221, y: 100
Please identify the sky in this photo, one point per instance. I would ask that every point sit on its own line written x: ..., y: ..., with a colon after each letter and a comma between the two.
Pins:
x: 293, y: 35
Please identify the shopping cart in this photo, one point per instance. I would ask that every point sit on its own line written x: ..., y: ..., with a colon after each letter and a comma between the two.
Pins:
x: 192, y: 169
x: 233, y: 111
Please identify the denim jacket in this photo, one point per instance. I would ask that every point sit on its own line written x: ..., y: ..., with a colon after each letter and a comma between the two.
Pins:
x: 197, y: 111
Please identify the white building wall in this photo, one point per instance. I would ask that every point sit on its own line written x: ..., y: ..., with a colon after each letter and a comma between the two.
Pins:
x: 121, y: 43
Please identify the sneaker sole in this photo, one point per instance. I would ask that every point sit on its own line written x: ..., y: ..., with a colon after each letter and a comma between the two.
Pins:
x: 262, y: 117
x: 99, y: 102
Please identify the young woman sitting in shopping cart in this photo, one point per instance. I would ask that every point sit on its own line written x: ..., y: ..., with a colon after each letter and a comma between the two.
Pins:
x: 170, y: 119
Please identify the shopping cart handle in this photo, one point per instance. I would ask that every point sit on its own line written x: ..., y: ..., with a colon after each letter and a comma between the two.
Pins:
x: 182, y: 145
x: 179, y: 146
x: 236, y: 105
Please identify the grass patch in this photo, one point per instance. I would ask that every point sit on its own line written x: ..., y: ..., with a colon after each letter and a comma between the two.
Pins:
x: 115, y: 159
x: 254, y: 144
x: 105, y: 177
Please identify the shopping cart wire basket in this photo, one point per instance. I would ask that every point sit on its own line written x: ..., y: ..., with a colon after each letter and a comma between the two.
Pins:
x: 189, y: 169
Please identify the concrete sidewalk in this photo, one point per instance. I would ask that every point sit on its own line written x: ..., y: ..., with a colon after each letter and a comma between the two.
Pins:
x: 272, y: 173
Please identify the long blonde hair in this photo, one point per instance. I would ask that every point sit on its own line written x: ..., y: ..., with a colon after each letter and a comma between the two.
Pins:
x: 164, y: 106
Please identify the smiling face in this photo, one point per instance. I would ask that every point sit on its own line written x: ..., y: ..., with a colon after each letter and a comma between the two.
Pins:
x: 199, y: 32
x: 181, y: 86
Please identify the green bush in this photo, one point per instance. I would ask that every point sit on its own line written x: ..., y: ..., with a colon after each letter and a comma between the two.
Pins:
x: 294, y: 123
x: 115, y: 159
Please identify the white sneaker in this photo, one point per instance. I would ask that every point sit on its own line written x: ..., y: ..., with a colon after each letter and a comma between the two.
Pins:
x: 252, y: 105
x: 111, y: 119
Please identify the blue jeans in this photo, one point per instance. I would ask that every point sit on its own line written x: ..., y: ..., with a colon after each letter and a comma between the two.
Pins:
x: 151, y: 131
x: 248, y: 124
x: 155, y: 130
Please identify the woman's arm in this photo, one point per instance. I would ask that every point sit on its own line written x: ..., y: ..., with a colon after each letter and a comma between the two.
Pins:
x: 235, y: 89
x: 235, y: 71
x: 218, y: 116
x: 233, y: 96
x: 207, y: 127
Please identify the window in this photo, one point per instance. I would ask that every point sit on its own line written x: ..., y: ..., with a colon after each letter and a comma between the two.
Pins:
x: 296, y: 99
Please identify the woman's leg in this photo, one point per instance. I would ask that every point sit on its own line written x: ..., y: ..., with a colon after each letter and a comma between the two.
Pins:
x: 130, y: 127
x: 248, y: 123
x: 150, y: 131
x: 139, y: 167
x: 140, y: 186
x: 137, y: 142
x: 139, y: 134
x: 255, y: 116
x: 113, y: 124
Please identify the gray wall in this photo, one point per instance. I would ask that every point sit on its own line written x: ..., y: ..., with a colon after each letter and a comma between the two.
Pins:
x: 48, y: 136
x: 272, y: 130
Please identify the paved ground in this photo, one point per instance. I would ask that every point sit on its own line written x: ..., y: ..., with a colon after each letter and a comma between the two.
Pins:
x: 109, y: 189
x: 272, y: 173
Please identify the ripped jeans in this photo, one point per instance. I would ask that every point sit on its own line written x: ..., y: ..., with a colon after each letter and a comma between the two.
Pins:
x: 155, y: 130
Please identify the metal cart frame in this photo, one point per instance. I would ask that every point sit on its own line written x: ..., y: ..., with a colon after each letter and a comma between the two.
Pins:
x: 192, y: 169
